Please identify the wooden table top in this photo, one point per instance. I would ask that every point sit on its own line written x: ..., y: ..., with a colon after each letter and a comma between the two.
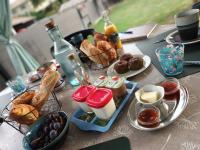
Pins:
x: 182, y: 134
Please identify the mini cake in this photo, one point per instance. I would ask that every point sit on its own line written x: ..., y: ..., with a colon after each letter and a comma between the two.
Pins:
x: 118, y: 87
x: 121, y: 67
x: 126, y: 57
x: 135, y: 63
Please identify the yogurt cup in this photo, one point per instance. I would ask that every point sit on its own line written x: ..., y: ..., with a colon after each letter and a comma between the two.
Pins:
x: 102, y: 103
x: 81, y: 94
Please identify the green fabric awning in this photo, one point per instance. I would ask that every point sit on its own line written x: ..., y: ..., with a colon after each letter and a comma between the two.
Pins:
x: 22, y: 61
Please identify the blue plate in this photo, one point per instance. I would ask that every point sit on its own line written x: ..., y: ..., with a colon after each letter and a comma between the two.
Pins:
x: 91, y: 126
x: 34, y: 128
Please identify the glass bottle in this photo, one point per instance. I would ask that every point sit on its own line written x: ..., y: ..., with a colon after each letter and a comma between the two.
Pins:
x: 79, y: 70
x: 62, y: 49
x: 111, y: 32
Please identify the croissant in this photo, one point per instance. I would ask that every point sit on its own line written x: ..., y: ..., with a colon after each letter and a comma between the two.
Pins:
x: 95, y: 54
x: 24, y: 114
x: 108, y: 49
x: 25, y: 98
x: 99, y: 37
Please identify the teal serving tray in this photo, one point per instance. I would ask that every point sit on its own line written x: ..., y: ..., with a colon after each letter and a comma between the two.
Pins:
x: 91, y: 126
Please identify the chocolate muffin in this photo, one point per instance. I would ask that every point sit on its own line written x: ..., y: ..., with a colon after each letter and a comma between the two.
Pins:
x: 121, y: 67
x: 135, y: 63
x: 126, y: 57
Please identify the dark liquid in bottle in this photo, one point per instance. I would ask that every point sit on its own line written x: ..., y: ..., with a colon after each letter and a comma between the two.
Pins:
x: 148, y: 118
x: 171, y: 90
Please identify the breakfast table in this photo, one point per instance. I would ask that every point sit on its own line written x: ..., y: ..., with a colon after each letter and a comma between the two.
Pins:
x: 183, y: 134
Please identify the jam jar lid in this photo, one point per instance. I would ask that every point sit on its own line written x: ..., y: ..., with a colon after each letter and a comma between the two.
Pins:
x: 115, y: 82
x: 99, y: 98
x: 82, y: 93
x: 101, y: 81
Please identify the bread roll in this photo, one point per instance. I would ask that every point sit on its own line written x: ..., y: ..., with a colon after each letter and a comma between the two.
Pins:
x: 24, y: 98
x: 108, y: 49
x: 99, y: 37
x: 95, y: 54
x: 24, y: 114
x: 47, y: 85
x: 40, y: 98
x: 49, y: 80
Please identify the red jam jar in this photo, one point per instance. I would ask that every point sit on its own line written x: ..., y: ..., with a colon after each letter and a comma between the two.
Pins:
x: 149, y: 117
x: 102, y: 103
x: 172, y: 89
x: 81, y: 94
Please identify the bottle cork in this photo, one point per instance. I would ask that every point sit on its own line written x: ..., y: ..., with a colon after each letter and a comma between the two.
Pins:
x: 50, y: 24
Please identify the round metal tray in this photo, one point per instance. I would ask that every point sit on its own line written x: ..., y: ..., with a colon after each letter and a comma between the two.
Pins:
x: 184, y: 97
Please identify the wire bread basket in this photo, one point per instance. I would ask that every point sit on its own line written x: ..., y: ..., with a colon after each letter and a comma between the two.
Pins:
x: 51, y: 105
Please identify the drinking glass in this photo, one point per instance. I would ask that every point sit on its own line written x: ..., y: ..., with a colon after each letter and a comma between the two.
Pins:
x: 171, y: 59
x: 17, y: 85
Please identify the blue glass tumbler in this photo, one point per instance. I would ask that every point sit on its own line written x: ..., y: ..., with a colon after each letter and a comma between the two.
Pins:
x: 17, y: 85
x: 171, y: 58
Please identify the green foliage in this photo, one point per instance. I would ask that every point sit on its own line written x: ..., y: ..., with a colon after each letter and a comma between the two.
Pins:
x: 38, y: 15
x: 130, y: 13
x: 50, y: 10
x: 36, y: 2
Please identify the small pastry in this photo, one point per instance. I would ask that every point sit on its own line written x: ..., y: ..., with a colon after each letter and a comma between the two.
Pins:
x: 24, y: 114
x: 121, y: 67
x: 126, y: 57
x: 107, y: 49
x: 99, y: 37
x: 95, y: 54
x: 25, y: 98
x: 135, y: 63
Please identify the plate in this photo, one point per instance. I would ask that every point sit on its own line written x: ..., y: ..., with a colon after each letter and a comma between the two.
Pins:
x: 111, y: 71
x: 174, y: 38
x: 60, y: 86
x: 184, y: 97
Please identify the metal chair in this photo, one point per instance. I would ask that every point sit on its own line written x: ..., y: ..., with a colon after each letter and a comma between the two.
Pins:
x: 196, y: 5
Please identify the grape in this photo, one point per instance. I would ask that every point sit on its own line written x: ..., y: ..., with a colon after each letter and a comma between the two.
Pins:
x: 47, y: 121
x: 51, y: 125
x: 46, y: 129
x: 55, y: 116
x: 53, y: 134
x: 50, y: 116
x: 57, y: 125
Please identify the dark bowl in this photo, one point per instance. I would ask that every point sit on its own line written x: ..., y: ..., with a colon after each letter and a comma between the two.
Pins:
x: 34, y: 128
x: 76, y: 43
